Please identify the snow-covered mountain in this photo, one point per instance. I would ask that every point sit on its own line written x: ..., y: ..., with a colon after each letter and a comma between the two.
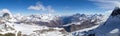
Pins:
x: 27, y: 25
x: 47, y: 24
x: 31, y: 30
x: 81, y: 21
x: 58, y: 21
x: 110, y: 28
x: 42, y: 20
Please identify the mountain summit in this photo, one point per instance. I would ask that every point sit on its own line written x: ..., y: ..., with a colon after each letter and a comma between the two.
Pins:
x: 110, y: 28
x: 116, y: 11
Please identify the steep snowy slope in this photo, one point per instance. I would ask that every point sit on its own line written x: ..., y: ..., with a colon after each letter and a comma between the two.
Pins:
x: 111, y: 24
x: 110, y: 28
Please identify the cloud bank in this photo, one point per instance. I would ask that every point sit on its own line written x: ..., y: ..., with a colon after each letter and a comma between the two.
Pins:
x: 107, y: 4
x: 41, y: 7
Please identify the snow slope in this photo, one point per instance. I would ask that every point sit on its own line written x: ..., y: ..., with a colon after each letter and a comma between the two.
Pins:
x: 30, y: 30
x: 110, y: 28
x: 11, y: 26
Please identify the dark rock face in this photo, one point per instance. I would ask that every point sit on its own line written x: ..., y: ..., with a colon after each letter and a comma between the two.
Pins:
x: 67, y: 28
x: 91, y: 35
x: 116, y: 11
x: 83, y: 25
x: 6, y: 15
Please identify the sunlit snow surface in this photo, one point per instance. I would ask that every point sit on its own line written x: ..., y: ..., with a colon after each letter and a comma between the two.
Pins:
x: 30, y: 29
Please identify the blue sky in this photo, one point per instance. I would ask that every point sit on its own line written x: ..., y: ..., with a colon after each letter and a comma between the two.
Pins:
x: 27, y: 7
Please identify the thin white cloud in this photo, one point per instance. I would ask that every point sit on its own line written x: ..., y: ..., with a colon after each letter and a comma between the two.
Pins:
x: 41, y: 7
x: 107, y: 4
x: 37, y: 7
x: 49, y: 8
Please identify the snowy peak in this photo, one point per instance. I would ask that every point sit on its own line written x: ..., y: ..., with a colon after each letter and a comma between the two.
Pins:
x: 109, y: 28
x: 116, y: 11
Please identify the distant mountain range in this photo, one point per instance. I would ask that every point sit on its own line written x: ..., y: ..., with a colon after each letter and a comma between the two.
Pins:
x: 83, y: 20
x: 35, y: 24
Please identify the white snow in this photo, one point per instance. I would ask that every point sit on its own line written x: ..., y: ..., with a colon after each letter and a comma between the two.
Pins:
x: 28, y: 29
x: 46, y: 17
x: 114, y: 31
